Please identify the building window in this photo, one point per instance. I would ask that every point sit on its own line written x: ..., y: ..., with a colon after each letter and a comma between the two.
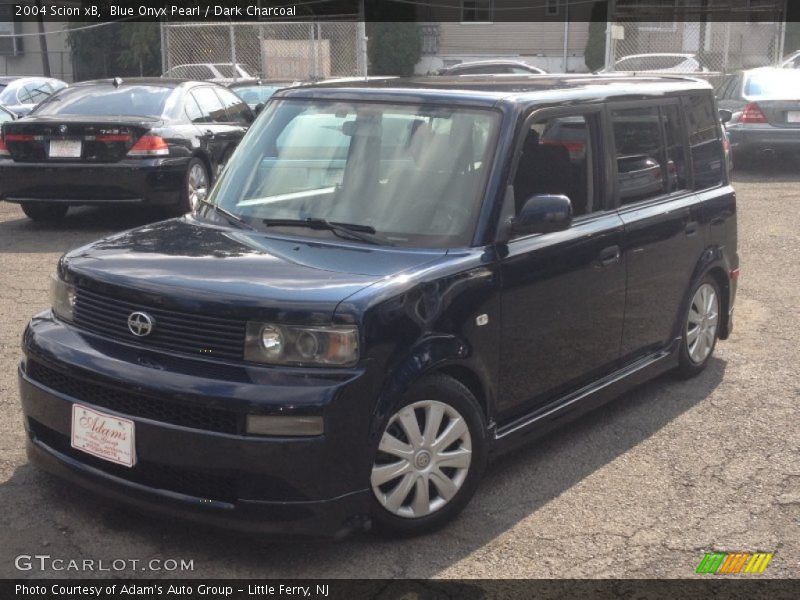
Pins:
x: 476, y: 11
x: 552, y: 8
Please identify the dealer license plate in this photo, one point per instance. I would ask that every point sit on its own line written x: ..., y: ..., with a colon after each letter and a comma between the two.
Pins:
x: 65, y: 148
x: 793, y: 116
x: 106, y: 436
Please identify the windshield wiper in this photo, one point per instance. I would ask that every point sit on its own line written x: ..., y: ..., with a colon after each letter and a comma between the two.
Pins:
x: 353, y: 231
x: 232, y: 218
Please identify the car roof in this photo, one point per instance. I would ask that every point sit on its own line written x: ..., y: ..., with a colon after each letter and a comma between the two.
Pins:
x: 776, y: 70
x: 167, y: 82
x: 260, y: 82
x: 499, y: 61
x: 489, y: 90
x: 6, y: 79
x: 645, y: 55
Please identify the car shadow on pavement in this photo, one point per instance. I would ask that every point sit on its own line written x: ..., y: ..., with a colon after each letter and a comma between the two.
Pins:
x: 38, y: 507
x: 776, y: 169
x: 80, y: 226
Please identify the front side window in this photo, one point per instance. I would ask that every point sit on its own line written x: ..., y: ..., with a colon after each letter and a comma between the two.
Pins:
x: 556, y: 159
x: 414, y: 173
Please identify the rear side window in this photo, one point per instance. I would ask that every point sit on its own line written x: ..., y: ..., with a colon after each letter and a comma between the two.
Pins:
x: 650, y: 154
x: 704, y: 141
x: 134, y: 100
x: 238, y: 111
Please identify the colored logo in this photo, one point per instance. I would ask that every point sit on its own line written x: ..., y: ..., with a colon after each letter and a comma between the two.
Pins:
x: 732, y: 563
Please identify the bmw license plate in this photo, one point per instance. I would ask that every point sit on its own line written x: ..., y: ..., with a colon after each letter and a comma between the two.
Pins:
x: 102, y: 435
x: 793, y: 116
x: 65, y: 149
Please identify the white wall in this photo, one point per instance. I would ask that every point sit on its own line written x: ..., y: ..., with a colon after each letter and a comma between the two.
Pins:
x: 29, y: 62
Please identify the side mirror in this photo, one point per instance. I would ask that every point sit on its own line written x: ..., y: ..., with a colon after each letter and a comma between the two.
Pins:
x: 543, y: 214
x: 259, y: 107
x: 725, y: 115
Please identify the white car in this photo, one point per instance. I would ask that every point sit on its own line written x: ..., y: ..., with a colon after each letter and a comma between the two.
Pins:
x: 792, y: 61
x: 659, y: 63
x: 218, y: 72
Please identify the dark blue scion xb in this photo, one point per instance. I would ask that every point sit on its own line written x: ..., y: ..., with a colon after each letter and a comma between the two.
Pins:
x: 390, y: 282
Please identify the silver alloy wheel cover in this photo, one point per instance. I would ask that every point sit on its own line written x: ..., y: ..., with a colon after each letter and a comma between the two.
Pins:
x: 420, y: 460
x: 196, y: 185
x: 701, y: 323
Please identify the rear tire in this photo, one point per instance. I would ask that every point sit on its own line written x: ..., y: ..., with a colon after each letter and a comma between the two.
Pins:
x: 196, y: 185
x: 700, y: 328
x: 44, y: 211
x: 429, y: 459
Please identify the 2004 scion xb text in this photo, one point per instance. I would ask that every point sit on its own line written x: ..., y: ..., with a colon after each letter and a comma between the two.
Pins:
x: 117, y: 590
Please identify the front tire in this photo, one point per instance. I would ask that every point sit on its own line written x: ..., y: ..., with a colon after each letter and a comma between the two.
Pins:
x: 700, y: 327
x: 44, y: 211
x: 429, y: 459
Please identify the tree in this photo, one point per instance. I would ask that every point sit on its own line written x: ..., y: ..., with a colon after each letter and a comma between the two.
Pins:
x: 143, y: 48
x: 394, y: 48
x: 595, y: 52
x: 116, y: 49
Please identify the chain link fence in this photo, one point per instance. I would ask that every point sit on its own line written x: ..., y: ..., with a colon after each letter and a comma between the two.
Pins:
x: 296, y: 51
x: 713, y: 48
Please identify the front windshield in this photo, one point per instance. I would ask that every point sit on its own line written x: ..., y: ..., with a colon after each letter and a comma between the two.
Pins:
x: 414, y: 173
x: 781, y: 84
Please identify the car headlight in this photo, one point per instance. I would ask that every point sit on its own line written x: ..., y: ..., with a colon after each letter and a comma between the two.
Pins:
x: 62, y: 298
x: 314, y: 345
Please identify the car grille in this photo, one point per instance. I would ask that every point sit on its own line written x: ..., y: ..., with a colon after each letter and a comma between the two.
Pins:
x: 200, y: 484
x: 173, y: 331
x: 136, y: 405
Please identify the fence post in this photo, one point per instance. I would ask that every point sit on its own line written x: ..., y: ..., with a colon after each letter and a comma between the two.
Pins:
x: 163, y: 36
x: 233, y: 51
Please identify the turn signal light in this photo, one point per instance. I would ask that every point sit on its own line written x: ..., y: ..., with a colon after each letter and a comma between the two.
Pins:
x: 752, y: 113
x: 3, y: 148
x: 149, y: 145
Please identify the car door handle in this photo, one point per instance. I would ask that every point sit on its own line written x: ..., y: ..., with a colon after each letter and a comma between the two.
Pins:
x: 691, y: 228
x: 609, y: 256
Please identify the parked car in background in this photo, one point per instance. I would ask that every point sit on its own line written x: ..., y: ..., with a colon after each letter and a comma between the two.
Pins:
x: 492, y: 67
x: 256, y: 92
x: 21, y: 94
x: 217, y: 72
x: 392, y: 282
x: 659, y: 63
x: 764, y: 107
x: 791, y: 61
x: 137, y: 141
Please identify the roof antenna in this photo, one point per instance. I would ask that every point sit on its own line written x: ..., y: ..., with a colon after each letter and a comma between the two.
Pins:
x: 117, y: 81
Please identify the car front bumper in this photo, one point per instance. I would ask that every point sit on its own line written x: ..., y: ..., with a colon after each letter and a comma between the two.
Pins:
x: 315, y: 486
x: 129, y: 181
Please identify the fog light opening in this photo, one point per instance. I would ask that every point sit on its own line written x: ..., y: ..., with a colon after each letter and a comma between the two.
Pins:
x: 285, y: 426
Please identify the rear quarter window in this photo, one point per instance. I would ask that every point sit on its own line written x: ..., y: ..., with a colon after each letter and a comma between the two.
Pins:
x: 705, y: 144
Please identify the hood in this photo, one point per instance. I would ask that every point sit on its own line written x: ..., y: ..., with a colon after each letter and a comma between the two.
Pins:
x: 186, y: 265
